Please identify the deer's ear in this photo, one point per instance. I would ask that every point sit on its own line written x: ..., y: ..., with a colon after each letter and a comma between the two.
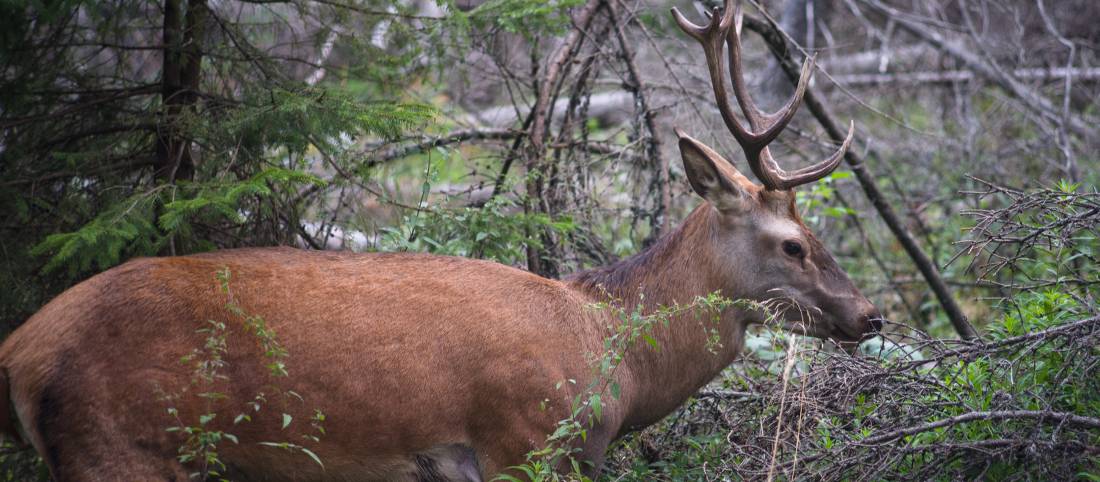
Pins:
x: 710, y: 175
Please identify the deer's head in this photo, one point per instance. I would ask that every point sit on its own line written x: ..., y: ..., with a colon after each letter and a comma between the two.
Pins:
x: 761, y: 249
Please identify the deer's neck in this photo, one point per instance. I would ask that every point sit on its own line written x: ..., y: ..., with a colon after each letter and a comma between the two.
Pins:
x: 673, y: 271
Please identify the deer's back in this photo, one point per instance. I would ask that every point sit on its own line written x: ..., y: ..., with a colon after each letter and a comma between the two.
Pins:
x: 391, y: 347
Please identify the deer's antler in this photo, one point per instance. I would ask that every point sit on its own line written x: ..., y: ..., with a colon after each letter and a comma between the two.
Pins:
x: 764, y: 128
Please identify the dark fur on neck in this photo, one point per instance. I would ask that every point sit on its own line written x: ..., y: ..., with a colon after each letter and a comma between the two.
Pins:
x: 625, y: 279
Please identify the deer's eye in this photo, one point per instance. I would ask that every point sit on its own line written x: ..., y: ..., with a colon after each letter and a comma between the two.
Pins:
x: 792, y: 248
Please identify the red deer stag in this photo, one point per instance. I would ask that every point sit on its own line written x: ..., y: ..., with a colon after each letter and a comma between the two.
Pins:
x: 427, y: 367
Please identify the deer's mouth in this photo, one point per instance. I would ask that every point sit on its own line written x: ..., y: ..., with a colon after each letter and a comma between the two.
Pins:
x: 806, y: 328
x: 842, y: 334
x: 848, y: 340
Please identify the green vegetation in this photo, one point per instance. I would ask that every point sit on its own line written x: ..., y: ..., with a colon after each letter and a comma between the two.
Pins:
x: 627, y: 331
x: 209, y: 382
x: 917, y: 407
x: 131, y: 128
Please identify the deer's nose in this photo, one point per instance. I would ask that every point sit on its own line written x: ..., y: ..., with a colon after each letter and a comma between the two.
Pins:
x: 874, y: 321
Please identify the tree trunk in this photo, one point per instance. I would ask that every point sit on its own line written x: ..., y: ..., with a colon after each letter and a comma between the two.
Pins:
x: 180, y: 77
x: 799, y: 19
x: 549, y: 83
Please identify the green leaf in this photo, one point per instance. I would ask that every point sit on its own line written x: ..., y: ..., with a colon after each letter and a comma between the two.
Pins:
x: 286, y: 420
x: 313, y: 456
x: 837, y: 212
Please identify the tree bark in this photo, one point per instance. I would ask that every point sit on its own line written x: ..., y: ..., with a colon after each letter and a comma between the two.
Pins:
x: 798, y: 19
x: 181, y: 74
x: 549, y: 83
x: 659, y: 221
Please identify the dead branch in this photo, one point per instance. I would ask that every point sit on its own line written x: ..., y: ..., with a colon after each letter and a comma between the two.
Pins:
x: 859, y: 418
x: 549, y: 84
x: 455, y: 137
x: 1027, y: 96
x: 1019, y: 224
x: 953, y: 76
x: 637, y: 87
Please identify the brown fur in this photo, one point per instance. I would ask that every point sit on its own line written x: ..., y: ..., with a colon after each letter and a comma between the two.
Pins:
x: 427, y: 367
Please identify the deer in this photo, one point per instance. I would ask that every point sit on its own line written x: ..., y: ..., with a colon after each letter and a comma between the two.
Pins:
x: 428, y: 368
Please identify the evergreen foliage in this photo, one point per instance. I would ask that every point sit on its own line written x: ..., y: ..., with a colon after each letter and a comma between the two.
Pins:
x: 89, y: 112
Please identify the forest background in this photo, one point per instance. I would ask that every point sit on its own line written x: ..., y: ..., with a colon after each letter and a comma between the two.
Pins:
x: 539, y: 134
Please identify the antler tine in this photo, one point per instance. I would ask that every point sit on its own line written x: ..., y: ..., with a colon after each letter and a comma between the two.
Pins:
x: 764, y: 127
x: 759, y: 120
x: 775, y: 178
x: 711, y: 37
x: 715, y: 29
x: 737, y: 76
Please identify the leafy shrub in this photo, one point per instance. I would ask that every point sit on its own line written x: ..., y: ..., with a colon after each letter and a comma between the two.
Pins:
x: 493, y: 231
x: 202, y: 436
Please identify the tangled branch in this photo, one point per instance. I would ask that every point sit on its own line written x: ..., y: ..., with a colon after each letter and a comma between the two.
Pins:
x: 919, y: 408
x: 1025, y: 226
